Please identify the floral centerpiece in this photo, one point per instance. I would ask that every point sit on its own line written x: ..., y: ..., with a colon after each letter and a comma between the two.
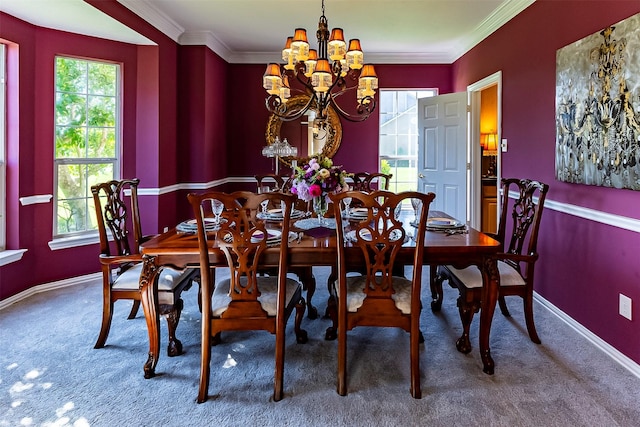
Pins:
x: 316, y: 180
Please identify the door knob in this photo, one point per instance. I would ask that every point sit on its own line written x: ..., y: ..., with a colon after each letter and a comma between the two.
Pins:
x: 420, y: 176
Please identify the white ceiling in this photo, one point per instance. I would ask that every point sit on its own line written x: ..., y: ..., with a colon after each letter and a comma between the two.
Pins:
x: 254, y: 31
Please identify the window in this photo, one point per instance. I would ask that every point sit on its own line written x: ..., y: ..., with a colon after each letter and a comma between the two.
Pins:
x: 87, y: 139
x: 3, y: 134
x: 399, y: 136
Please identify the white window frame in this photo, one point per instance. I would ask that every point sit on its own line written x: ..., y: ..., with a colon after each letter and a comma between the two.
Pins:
x: 88, y: 236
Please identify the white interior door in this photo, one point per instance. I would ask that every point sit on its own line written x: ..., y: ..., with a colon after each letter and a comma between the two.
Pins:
x: 442, y: 152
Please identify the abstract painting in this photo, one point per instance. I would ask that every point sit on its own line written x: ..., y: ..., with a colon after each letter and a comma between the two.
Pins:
x: 598, y: 108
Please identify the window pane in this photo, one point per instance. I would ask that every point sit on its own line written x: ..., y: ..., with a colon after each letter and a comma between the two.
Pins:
x: 98, y: 173
x: 102, y: 111
x: 71, y: 75
x: 388, y: 123
x: 71, y: 109
x: 101, y: 79
x: 70, y: 142
x: 387, y: 145
x: 71, y: 183
x: 387, y: 102
x: 102, y: 142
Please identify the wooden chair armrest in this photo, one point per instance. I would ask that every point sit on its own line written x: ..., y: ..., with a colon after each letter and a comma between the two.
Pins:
x: 147, y: 237
x: 517, y: 257
x: 111, y: 260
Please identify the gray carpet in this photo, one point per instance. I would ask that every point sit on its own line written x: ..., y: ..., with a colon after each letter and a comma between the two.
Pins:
x: 50, y: 375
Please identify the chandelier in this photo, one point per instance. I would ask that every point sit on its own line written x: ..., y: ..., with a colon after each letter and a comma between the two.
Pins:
x: 279, y: 149
x: 326, y: 74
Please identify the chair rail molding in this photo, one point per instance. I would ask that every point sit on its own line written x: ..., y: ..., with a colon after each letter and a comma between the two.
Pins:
x: 624, y: 222
x: 32, y: 200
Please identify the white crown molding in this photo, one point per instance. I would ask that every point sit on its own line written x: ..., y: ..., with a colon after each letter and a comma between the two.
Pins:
x: 505, y: 12
x: 206, y: 38
x: 145, y: 10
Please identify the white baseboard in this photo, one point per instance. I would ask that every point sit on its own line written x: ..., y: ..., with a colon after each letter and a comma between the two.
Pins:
x: 608, y: 349
x: 79, y: 280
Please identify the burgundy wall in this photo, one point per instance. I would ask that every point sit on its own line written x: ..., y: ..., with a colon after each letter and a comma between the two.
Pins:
x: 584, y: 265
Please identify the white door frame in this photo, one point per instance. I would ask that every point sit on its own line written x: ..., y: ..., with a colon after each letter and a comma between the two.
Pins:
x: 474, y: 178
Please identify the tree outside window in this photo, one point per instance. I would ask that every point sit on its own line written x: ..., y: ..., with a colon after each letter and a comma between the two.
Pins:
x: 87, y: 138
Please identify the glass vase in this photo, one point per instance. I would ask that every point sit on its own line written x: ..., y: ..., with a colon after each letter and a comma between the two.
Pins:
x: 320, y: 207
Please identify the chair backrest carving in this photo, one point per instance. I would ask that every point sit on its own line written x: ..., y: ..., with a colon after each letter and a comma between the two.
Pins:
x: 521, y: 216
x: 118, y: 216
x: 282, y: 183
x: 368, y: 182
x: 380, y: 236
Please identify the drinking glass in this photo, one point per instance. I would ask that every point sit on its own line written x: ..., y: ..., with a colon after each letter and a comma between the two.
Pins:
x: 417, y: 205
x: 217, y: 207
x: 265, y: 203
x: 347, y: 206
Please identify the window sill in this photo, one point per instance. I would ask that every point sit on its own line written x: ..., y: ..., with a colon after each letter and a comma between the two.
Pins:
x: 73, y: 241
x: 9, y: 256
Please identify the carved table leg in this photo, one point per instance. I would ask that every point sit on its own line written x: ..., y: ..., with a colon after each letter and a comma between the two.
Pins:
x: 489, y: 299
x: 149, y: 300
x: 305, y: 274
x: 435, y: 283
x: 174, y: 347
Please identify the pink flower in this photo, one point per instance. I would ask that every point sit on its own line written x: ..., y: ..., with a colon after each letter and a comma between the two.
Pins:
x: 315, y: 190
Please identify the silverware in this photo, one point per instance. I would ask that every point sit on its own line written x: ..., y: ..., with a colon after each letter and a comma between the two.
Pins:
x: 452, y: 232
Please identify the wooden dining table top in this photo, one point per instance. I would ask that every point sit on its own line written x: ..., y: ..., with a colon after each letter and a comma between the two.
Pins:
x: 317, y: 247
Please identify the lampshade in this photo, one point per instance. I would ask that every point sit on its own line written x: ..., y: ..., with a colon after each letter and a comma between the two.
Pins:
x: 271, y: 79
x: 354, y: 54
x: 321, y: 78
x: 300, y: 45
x: 310, y: 63
x: 489, y: 144
x: 336, y: 47
x: 287, y: 54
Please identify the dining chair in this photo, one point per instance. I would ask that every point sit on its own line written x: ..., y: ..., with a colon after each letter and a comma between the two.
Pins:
x: 247, y: 300
x: 273, y: 181
x: 520, y: 215
x: 377, y: 297
x: 371, y: 181
x: 367, y: 182
x: 304, y: 274
x: 120, y: 234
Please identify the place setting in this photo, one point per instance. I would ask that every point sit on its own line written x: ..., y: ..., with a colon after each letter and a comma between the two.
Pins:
x: 274, y: 237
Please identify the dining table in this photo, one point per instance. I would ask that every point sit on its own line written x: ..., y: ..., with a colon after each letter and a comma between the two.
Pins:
x: 316, y: 246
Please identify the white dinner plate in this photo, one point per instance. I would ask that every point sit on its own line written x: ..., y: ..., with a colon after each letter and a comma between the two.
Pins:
x: 443, y: 223
x: 366, y: 235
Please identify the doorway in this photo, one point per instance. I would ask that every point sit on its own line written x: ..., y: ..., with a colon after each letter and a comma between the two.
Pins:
x: 485, y: 136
